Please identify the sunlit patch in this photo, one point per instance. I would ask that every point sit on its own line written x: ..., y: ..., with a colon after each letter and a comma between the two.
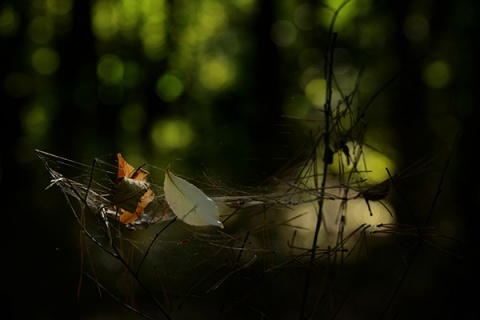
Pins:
x: 378, y: 213
x: 371, y: 165
x: 352, y: 218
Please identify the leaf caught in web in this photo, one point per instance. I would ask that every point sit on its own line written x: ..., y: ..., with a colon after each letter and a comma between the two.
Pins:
x: 133, y: 194
x: 189, y: 203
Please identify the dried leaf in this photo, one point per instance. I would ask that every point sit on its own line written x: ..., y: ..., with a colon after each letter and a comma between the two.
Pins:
x: 133, y: 193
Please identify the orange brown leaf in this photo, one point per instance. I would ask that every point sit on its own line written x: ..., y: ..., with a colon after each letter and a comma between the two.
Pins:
x: 129, y: 179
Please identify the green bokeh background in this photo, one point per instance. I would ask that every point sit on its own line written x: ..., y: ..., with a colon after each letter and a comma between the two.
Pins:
x: 227, y: 85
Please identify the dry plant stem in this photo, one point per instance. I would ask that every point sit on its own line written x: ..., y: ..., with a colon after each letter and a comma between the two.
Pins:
x: 137, y: 279
x: 386, y: 84
x: 151, y: 244
x: 82, y: 226
x: 236, y: 268
x: 440, y: 183
x: 420, y: 235
x: 328, y: 113
x: 118, y: 300
x: 115, y: 253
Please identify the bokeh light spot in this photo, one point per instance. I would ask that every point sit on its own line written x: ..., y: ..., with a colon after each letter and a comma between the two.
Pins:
x: 153, y: 32
x: 315, y: 92
x: 349, y: 10
x: 45, y: 60
x: 102, y: 24
x: 377, y: 162
x: 213, y: 16
x: 245, y: 6
x: 60, y: 7
x: 437, y: 74
x: 35, y: 120
x: 304, y: 16
x: 283, y: 33
x: 9, y: 21
x: 171, y: 134
x: 40, y: 30
x: 170, y: 86
x: 217, y: 73
x: 110, y: 69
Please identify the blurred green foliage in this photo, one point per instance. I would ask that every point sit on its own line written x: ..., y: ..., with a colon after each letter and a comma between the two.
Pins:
x: 208, y: 63
x: 233, y: 85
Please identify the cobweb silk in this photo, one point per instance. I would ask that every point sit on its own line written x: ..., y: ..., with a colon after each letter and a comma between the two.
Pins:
x: 186, y: 247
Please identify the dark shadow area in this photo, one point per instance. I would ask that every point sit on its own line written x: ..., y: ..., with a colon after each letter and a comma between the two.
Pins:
x: 235, y: 91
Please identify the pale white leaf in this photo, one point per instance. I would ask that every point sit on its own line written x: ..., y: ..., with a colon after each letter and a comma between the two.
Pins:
x: 189, y: 203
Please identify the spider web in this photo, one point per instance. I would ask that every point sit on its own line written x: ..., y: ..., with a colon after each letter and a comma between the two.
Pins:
x: 293, y: 245
x: 268, y: 235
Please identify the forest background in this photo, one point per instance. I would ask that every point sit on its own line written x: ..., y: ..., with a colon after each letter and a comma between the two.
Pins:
x: 230, y: 86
